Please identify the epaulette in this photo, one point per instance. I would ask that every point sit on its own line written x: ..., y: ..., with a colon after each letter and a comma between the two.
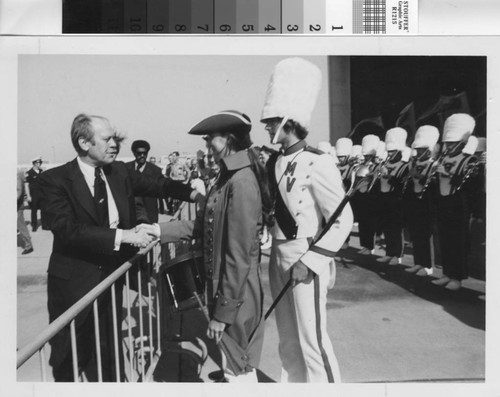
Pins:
x: 313, y: 150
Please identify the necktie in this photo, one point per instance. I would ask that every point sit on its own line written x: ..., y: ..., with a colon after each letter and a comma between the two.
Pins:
x: 101, y: 198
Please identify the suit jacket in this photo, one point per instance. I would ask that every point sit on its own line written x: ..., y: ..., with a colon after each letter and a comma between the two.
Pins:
x: 150, y: 204
x: 83, y: 251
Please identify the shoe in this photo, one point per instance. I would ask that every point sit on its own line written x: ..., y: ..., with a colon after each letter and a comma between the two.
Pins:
x: 394, y: 261
x: 414, y: 269
x: 384, y: 259
x: 441, y: 281
x: 454, y: 285
x: 365, y: 251
x: 27, y: 251
x: 425, y: 271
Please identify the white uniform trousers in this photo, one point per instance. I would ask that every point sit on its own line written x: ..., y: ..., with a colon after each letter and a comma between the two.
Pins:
x: 305, y: 349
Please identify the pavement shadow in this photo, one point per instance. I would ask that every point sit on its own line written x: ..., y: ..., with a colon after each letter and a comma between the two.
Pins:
x: 465, y: 304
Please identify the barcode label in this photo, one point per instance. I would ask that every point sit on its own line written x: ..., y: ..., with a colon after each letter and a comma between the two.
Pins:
x: 384, y: 16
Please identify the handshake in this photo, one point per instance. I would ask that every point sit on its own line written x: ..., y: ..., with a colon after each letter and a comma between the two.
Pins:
x: 142, y: 235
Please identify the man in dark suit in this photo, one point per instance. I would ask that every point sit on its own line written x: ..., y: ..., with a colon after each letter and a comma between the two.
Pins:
x: 91, y: 211
x: 34, y: 195
x: 151, y: 205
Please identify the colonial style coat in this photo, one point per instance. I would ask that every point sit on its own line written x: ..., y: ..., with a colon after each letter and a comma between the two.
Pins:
x: 229, y: 228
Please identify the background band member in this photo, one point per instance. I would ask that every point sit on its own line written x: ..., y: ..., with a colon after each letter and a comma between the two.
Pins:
x: 234, y: 214
x: 419, y: 205
x: 367, y: 202
x: 390, y: 195
x: 307, y: 188
x: 91, y: 210
x: 452, y: 206
x: 34, y: 195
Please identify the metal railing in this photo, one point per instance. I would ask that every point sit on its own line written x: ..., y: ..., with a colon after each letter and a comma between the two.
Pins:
x: 138, y: 348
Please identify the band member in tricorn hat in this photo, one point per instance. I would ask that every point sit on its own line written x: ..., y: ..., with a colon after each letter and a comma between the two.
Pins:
x: 308, y: 188
x: 233, y: 215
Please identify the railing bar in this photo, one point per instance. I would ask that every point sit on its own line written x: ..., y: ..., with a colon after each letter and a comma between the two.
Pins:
x: 48, y: 333
x: 150, y: 316
x: 141, y: 325
x: 115, y: 332
x: 97, y: 341
x: 129, y: 318
x: 73, y: 350
x: 43, y: 363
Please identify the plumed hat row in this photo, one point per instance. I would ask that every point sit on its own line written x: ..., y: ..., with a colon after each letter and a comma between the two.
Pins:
x: 458, y: 127
x: 343, y: 147
x: 227, y: 121
x: 426, y: 137
x: 292, y: 91
x: 395, y: 139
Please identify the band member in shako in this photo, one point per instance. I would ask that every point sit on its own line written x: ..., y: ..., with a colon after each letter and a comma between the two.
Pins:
x: 477, y: 183
x: 236, y: 208
x: 452, y: 207
x: 308, y: 188
x: 419, y: 203
x: 391, y: 180
x: 343, y: 147
x: 366, y: 202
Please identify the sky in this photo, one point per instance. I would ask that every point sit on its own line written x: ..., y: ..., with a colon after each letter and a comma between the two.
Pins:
x: 152, y: 97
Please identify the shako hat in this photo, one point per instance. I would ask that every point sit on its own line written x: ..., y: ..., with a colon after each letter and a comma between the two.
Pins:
x: 325, y: 147
x: 369, y: 144
x: 292, y: 91
x: 343, y: 146
x: 140, y: 144
x: 395, y: 139
x: 225, y: 122
x: 481, y: 145
x: 356, y: 151
x: 426, y: 136
x: 458, y: 127
x: 471, y: 146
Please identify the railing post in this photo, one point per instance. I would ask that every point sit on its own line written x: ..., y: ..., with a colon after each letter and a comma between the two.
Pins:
x: 43, y: 363
x: 115, y: 332
x: 141, y: 323
x: 73, y: 350
x: 129, y: 326
x: 97, y: 341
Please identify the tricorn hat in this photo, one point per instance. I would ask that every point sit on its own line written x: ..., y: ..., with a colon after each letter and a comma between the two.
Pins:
x: 225, y: 122
x: 292, y: 91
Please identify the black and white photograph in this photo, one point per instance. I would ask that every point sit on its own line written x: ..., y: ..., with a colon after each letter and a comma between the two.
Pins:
x: 223, y: 211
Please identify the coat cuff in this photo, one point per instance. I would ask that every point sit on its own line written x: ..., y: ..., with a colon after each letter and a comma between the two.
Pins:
x: 315, y: 261
x: 226, y: 309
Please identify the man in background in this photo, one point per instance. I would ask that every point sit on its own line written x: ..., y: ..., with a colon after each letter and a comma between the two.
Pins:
x: 152, y: 205
x: 34, y: 195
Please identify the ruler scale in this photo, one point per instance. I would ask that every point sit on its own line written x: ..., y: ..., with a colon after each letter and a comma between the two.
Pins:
x: 226, y: 17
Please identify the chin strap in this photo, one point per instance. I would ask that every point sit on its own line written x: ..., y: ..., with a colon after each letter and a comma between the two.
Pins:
x: 279, y: 130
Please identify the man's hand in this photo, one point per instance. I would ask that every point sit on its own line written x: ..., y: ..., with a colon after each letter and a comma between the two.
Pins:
x: 140, y: 239
x: 215, y: 330
x: 300, y: 273
x: 153, y: 230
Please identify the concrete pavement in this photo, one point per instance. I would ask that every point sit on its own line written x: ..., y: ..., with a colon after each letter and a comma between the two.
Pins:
x: 386, y: 325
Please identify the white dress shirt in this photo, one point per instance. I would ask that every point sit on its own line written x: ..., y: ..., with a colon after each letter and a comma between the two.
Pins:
x: 88, y: 172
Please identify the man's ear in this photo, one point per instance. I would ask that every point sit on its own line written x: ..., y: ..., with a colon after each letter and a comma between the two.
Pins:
x: 84, y: 144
